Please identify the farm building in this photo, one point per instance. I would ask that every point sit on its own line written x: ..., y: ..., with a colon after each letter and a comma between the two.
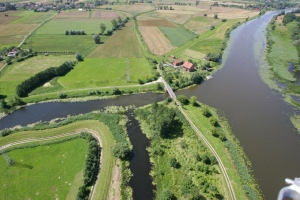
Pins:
x: 13, y: 53
x: 188, y: 66
x: 177, y: 62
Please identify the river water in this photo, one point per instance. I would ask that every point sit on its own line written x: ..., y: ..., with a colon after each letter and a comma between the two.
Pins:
x: 258, y: 116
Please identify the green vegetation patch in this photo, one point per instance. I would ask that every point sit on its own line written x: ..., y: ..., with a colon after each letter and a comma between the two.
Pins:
x: 177, y: 36
x: 281, y: 51
x: 208, y: 46
x: 16, y: 73
x: 43, y: 172
x: 31, y: 17
x: 60, y: 26
x: 95, y: 72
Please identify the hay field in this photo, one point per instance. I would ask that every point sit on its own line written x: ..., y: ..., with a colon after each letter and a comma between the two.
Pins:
x: 231, y: 13
x: 106, y: 15
x: 179, y: 17
x: 72, y: 15
x: 157, y: 23
x: 11, y: 16
x: 200, y: 25
x: 122, y: 44
x: 156, y: 40
x: 16, y: 73
x: 98, y: 72
x: 136, y: 8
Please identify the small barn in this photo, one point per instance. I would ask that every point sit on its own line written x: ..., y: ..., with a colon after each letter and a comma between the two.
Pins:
x: 188, y: 66
x: 177, y: 62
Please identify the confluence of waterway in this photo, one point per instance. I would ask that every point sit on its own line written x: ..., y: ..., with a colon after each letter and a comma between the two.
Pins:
x: 258, y: 115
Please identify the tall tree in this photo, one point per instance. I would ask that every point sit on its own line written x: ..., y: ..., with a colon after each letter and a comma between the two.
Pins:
x: 102, y: 28
x: 96, y: 38
x: 114, y: 23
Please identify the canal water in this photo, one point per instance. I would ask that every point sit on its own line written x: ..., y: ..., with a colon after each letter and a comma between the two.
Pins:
x: 258, y: 115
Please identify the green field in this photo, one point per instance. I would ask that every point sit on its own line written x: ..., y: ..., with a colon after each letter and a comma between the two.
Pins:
x: 101, y: 129
x: 95, y: 72
x: 31, y: 17
x: 208, y: 45
x: 14, y: 74
x: 57, y: 26
x: 122, y: 44
x: 177, y: 36
x: 51, y: 36
x: 282, y: 52
x: 44, y: 172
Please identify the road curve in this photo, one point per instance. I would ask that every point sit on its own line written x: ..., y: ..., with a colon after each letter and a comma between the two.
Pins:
x: 93, y: 133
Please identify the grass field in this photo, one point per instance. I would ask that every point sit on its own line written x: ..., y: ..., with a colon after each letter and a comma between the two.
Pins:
x: 209, y: 45
x: 16, y: 73
x: 43, y: 172
x: 31, y: 17
x: 136, y: 8
x: 95, y: 72
x: 157, y: 23
x: 177, y: 36
x: 106, y: 15
x: 123, y: 43
x: 282, y: 52
x: 102, y: 187
x: 73, y: 15
x: 200, y: 25
x: 60, y: 26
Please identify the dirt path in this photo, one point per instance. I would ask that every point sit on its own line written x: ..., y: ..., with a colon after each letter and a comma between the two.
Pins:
x: 115, y: 185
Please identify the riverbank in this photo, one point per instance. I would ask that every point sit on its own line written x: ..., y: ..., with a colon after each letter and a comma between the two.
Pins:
x: 197, y: 159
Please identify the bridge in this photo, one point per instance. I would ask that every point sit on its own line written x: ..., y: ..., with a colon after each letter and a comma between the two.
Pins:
x: 222, y: 167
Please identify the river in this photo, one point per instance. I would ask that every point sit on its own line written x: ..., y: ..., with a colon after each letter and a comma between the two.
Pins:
x: 258, y: 116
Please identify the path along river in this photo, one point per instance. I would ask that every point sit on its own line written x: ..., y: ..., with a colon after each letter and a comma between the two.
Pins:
x: 258, y: 116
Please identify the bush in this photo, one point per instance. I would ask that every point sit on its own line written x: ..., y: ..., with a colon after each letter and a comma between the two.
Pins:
x: 212, y: 27
x: 61, y: 95
x: 205, y: 15
x: 121, y: 150
x: 205, y: 111
x: 79, y: 57
x: 213, y: 121
x: 174, y: 163
x: 224, y: 20
x: 183, y: 99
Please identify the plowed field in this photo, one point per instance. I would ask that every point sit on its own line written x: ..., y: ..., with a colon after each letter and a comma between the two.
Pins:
x: 73, y: 15
x: 156, y: 41
x: 163, y: 23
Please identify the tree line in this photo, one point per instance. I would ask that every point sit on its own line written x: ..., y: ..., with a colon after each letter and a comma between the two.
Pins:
x: 42, y: 77
x: 72, y: 32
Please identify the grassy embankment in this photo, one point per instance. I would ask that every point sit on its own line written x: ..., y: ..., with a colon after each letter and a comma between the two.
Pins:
x: 237, y: 165
x: 107, y: 158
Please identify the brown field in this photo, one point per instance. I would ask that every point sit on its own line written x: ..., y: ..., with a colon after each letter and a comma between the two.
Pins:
x: 163, y: 23
x: 230, y: 13
x: 201, y: 26
x: 156, y: 40
x: 105, y: 15
x: 73, y: 15
x: 280, y: 18
x: 11, y: 17
x: 16, y: 29
x: 122, y: 44
x: 15, y: 39
x: 136, y: 8
x: 176, y: 17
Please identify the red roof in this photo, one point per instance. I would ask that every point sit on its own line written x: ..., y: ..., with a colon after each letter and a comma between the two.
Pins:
x: 188, y: 65
x: 177, y: 62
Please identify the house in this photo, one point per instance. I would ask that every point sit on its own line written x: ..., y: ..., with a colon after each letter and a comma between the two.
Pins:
x: 177, y: 62
x: 13, y: 53
x: 188, y: 66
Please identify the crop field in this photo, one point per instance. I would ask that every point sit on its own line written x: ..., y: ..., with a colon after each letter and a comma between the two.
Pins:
x: 16, y: 73
x: 157, y: 23
x: 60, y: 26
x: 31, y: 17
x: 230, y: 13
x: 107, y: 15
x: 179, y: 17
x: 95, y: 72
x: 191, y: 54
x: 136, y: 8
x: 43, y: 172
x: 11, y: 16
x: 177, y: 36
x: 156, y: 40
x: 73, y: 15
x: 123, y: 43
x: 200, y: 25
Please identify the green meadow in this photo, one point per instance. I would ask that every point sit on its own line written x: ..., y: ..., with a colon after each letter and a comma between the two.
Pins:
x: 44, y: 172
x: 177, y: 36
x: 97, y: 72
x: 30, y: 17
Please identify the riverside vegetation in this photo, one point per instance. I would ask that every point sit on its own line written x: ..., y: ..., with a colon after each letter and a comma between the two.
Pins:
x: 110, y: 56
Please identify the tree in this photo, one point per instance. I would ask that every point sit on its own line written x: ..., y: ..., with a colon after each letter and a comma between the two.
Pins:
x: 216, y: 16
x: 3, y: 103
x: 196, y: 78
x: 66, y: 32
x: 114, y: 23
x: 193, y: 100
x: 79, y: 57
x: 119, y: 20
x: 167, y: 195
x: 96, y: 38
x: 102, y: 28
x: 121, y: 150
x: 183, y: 99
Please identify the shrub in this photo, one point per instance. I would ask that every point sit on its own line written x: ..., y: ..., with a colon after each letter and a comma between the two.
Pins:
x: 205, y: 111
x: 224, y: 20
x: 174, y: 163
x: 216, y: 16
x: 183, y: 99
x: 121, y: 150
x: 205, y: 14
x: 79, y: 57
x: 212, y: 27
x: 213, y: 121
x: 62, y: 95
